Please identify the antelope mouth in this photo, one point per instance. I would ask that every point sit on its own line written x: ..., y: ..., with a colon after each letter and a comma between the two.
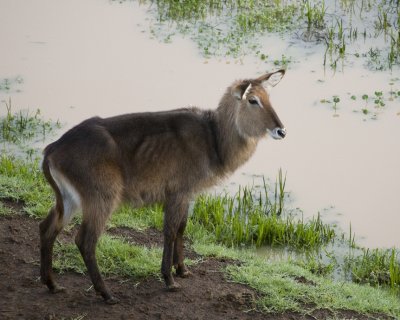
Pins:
x: 277, y: 133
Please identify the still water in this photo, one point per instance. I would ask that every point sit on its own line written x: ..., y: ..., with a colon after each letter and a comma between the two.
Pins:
x: 77, y: 59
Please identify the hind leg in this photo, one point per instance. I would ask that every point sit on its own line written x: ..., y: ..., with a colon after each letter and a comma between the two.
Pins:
x: 86, y: 240
x: 67, y: 203
x: 49, y: 229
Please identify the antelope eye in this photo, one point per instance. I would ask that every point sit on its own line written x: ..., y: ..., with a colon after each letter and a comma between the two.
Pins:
x: 253, y: 101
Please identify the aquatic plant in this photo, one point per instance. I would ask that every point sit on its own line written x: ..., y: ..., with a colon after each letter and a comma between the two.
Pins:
x: 257, y: 217
x: 380, y: 98
x: 223, y: 28
x: 315, y: 14
x: 233, y: 28
x: 377, y: 267
x: 12, y: 84
x: 23, y: 126
x: 334, y: 102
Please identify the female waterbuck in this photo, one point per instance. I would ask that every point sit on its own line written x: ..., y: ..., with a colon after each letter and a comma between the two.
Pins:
x: 144, y: 158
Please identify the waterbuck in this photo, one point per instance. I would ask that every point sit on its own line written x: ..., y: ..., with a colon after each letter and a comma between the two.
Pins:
x: 144, y: 158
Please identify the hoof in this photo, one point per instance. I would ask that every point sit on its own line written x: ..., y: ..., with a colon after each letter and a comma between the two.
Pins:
x: 57, y: 289
x: 184, y: 274
x: 173, y: 287
x: 112, y: 300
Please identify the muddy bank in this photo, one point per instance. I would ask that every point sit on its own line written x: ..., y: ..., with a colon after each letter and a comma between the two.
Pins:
x: 208, y: 294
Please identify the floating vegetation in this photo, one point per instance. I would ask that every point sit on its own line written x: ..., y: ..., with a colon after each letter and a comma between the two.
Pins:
x: 366, y: 104
x: 8, y: 85
x: 334, y: 102
x: 235, y: 27
x: 223, y: 28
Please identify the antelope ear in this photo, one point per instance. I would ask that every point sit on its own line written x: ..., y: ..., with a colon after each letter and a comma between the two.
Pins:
x: 273, y: 78
x: 241, y: 91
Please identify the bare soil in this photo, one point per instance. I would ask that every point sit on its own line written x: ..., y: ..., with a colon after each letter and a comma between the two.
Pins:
x: 207, y: 294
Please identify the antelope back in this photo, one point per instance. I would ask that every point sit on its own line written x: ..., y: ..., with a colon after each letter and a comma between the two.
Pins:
x: 255, y: 116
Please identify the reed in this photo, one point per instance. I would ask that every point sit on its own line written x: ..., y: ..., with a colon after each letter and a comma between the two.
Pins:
x: 377, y: 267
x: 223, y: 28
x: 315, y: 14
x: 257, y: 217
x: 23, y: 126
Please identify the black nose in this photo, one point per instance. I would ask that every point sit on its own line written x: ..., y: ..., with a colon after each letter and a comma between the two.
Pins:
x: 282, y: 132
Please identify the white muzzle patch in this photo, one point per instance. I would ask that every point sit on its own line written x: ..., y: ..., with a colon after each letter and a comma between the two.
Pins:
x: 277, y: 133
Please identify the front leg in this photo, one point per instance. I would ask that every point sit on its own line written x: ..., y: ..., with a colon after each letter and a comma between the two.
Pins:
x: 166, y: 266
x: 175, y: 217
x: 181, y: 269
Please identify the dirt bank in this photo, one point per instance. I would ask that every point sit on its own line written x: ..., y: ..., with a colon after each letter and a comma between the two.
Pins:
x: 205, y: 295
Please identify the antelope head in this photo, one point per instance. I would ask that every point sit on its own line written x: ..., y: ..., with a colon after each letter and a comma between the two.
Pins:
x: 255, y: 116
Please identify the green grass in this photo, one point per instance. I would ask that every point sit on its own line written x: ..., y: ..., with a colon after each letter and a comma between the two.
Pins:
x: 138, y: 219
x: 256, y: 218
x: 23, y: 132
x: 378, y: 267
x: 223, y: 28
x: 235, y: 27
x: 23, y: 181
x: 23, y: 126
x: 4, y: 210
x: 315, y: 14
x: 343, y: 33
x: 115, y: 257
x: 318, y: 262
x: 285, y: 286
x: 250, y: 218
x: 21, y: 178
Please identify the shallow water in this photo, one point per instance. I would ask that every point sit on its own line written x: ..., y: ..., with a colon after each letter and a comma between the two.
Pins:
x: 83, y: 58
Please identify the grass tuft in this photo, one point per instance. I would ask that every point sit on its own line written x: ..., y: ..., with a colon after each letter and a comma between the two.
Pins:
x: 235, y: 27
x: 223, y: 28
x: 4, y: 210
x: 115, y: 257
x: 252, y: 218
x: 138, y: 218
x: 23, y: 181
x: 23, y: 128
x: 378, y: 267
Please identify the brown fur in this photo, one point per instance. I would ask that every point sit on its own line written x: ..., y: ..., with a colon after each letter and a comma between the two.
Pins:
x: 143, y: 158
